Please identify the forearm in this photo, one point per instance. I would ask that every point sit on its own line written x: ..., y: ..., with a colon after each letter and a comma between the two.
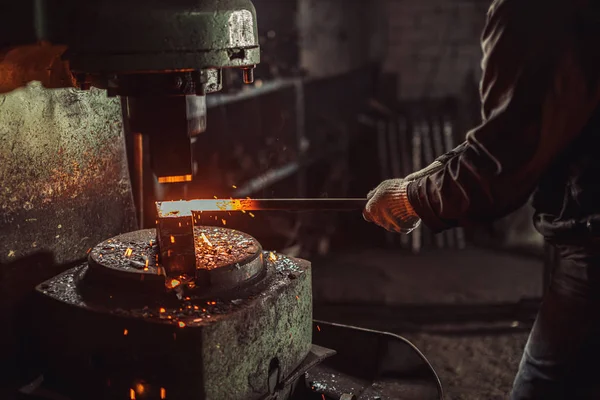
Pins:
x: 438, y: 164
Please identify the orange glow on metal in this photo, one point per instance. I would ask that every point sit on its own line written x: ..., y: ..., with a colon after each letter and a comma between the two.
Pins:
x: 206, y: 240
x: 140, y: 388
x: 163, y: 393
x: 184, y: 208
x: 175, y: 179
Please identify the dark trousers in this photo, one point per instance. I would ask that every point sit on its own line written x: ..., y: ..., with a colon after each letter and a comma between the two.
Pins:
x: 562, y: 356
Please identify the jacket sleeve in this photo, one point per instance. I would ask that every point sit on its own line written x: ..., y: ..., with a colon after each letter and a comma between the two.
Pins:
x: 538, y: 90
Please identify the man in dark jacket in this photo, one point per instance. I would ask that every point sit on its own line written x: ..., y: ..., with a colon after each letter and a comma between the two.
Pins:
x: 540, y: 133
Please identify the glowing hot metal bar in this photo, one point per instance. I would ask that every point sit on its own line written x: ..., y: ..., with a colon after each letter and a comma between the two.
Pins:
x: 184, y: 208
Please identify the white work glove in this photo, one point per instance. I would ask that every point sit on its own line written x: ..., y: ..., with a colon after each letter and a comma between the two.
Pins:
x: 388, y: 207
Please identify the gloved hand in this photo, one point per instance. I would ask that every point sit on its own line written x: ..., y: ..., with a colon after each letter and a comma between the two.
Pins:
x: 388, y: 207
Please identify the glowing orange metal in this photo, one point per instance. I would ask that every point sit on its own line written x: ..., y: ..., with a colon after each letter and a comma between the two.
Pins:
x: 175, y: 179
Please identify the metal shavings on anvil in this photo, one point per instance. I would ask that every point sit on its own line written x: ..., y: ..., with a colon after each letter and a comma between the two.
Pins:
x: 217, y: 248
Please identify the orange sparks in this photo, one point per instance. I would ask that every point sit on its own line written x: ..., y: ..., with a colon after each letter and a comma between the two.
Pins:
x: 181, y: 324
x: 224, y: 222
x: 131, y: 394
x: 163, y: 393
x: 125, y: 332
x: 235, y: 187
x: 196, y: 308
x: 175, y: 283
x: 146, y: 265
x: 162, y: 310
x: 250, y: 214
x: 172, y: 239
x: 88, y: 251
x: 272, y: 256
x: 128, y: 252
x: 318, y: 328
x: 206, y: 240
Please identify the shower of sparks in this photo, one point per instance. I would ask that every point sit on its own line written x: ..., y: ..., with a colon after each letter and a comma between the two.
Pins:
x: 206, y: 240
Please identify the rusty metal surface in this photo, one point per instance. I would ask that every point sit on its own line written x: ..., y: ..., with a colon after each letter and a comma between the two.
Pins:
x: 65, y: 186
x: 222, y: 260
x: 220, y: 348
x: 64, y: 175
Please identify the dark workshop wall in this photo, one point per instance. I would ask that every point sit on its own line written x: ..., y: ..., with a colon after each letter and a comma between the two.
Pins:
x: 434, y: 45
x: 339, y: 36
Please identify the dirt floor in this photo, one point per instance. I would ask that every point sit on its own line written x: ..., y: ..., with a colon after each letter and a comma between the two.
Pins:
x: 468, y: 311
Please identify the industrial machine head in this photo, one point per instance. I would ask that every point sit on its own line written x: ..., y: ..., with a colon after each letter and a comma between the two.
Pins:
x: 163, y: 57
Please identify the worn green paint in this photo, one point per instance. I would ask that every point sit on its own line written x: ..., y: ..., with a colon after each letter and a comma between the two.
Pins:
x: 239, y: 350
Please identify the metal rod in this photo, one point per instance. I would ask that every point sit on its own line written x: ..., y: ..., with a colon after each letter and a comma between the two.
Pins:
x: 186, y: 207
x: 138, y: 166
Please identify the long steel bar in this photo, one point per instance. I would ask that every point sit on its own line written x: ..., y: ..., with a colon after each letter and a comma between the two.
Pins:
x: 186, y: 207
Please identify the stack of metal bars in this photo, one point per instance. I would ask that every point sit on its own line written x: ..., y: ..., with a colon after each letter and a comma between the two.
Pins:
x: 408, y: 144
